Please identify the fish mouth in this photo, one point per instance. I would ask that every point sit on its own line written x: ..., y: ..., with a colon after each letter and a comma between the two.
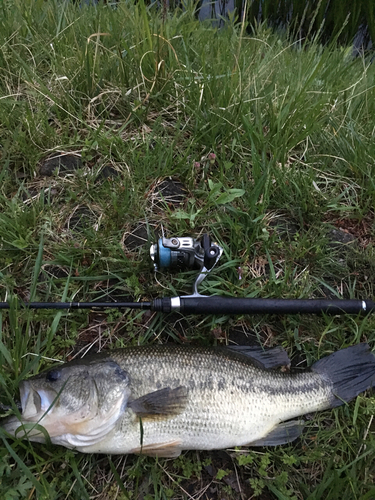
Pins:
x: 35, y: 402
x: 30, y: 400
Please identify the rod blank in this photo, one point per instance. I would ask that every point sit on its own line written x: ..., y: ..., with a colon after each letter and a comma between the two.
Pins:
x: 80, y: 305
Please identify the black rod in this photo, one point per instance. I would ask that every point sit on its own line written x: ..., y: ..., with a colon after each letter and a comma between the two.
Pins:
x: 220, y: 305
x: 79, y: 305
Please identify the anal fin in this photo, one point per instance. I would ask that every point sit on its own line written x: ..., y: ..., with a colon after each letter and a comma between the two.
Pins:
x: 170, y: 449
x: 283, y: 433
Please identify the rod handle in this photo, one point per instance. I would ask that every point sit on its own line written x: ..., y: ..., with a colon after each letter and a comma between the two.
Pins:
x: 232, y: 306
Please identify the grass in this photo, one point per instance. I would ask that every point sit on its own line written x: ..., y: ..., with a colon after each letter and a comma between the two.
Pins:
x: 287, y: 124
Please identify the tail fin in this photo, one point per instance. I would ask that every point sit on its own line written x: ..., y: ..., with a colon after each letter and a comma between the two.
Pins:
x: 350, y: 371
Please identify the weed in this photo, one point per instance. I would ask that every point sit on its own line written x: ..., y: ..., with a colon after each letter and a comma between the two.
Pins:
x: 272, y: 149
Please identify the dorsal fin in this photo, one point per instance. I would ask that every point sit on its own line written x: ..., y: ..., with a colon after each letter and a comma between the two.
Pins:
x: 263, y: 358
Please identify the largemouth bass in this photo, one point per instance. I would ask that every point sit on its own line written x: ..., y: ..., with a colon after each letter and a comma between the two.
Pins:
x: 160, y: 400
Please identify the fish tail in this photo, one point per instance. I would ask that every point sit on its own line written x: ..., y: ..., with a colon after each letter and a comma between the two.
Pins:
x: 349, y: 371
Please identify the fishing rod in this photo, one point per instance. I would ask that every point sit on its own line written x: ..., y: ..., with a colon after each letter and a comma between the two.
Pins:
x: 203, y: 255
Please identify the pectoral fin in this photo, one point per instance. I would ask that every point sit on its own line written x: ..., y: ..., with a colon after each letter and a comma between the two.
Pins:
x: 283, y: 433
x: 171, y: 449
x: 166, y: 402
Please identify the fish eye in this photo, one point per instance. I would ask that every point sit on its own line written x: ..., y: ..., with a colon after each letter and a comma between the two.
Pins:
x: 53, y: 375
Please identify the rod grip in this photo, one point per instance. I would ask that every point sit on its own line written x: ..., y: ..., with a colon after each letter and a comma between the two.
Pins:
x: 231, y: 306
